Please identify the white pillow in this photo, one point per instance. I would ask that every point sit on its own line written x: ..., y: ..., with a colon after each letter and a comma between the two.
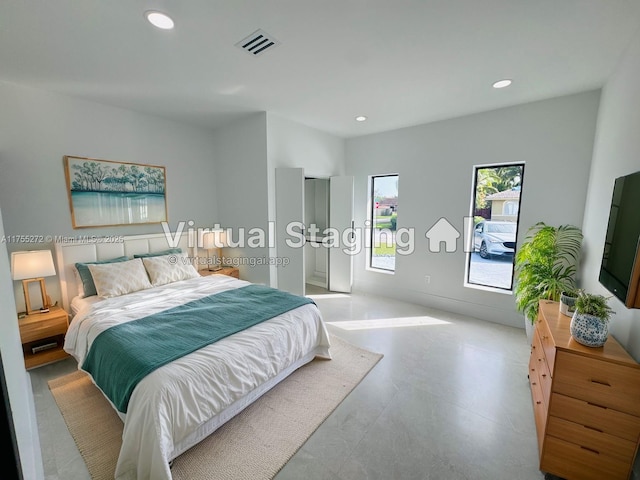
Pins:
x: 115, y: 279
x: 169, y: 268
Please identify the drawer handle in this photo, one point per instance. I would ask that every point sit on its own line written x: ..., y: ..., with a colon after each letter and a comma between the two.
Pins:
x: 592, y: 428
x: 533, y: 383
x: 600, y: 382
x: 590, y: 450
x: 544, y: 375
x: 596, y: 405
x: 538, y: 402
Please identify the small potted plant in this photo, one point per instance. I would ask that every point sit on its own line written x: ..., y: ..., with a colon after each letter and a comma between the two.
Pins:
x: 590, y: 321
x: 568, y: 301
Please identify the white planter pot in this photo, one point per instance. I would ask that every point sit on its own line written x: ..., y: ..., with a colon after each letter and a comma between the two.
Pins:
x: 589, y: 330
x: 567, y: 305
x: 528, y: 328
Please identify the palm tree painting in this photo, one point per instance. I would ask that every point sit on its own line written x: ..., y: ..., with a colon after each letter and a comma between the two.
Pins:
x: 106, y: 193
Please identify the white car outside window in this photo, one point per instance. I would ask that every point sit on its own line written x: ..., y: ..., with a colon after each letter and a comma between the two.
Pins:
x: 493, y: 238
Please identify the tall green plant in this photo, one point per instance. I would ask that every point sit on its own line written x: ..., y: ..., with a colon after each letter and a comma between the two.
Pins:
x: 546, y: 264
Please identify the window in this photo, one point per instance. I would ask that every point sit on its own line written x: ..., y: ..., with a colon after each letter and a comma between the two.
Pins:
x: 384, y: 215
x: 510, y: 208
x: 495, y: 211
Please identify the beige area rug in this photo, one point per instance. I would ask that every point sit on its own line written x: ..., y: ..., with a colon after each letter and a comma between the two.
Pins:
x: 254, y: 445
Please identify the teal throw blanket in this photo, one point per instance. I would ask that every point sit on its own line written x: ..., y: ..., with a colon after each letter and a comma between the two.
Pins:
x: 124, y: 354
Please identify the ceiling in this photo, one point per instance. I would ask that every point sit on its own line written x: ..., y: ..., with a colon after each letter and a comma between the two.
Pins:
x: 398, y: 62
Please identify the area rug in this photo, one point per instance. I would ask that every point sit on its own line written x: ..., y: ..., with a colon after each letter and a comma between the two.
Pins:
x: 254, y: 445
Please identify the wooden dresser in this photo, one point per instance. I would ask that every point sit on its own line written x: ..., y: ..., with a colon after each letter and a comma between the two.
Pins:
x: 586, y: 402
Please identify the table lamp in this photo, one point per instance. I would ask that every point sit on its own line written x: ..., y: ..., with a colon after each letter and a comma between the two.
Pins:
x: 32, y: 266
x: 214, y: 240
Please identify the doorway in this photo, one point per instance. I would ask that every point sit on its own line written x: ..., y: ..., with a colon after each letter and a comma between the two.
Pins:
x: 316, y: 220
x: 324, y: 203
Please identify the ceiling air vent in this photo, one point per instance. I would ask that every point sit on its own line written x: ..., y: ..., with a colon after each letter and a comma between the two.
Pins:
x: 257, y: 43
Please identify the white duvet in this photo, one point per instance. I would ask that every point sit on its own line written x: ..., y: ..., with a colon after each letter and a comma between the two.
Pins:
x: 179, y: 404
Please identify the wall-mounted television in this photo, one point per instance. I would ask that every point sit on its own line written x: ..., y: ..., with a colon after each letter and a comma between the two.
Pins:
x: 620, y: 267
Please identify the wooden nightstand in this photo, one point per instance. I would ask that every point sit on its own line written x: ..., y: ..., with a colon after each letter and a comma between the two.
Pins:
x: 41, y: 330
x: 229, y: 271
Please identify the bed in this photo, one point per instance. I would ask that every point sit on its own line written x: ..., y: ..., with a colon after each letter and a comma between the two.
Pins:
x: 254, y: 337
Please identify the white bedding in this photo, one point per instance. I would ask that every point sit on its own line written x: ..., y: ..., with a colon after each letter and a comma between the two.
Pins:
x: 181, y: 403
x: 80, y: 303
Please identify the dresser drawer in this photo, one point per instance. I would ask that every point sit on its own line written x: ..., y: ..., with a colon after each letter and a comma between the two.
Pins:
x: 534, y: 366
x: 605, y: 419
x: 545, y: 380
x: 538, y: 364
x: 539, y: 409
x: 573, y: 462
x: 595, y: 440
x: 546, y: 341
x: 603, y: 383
x: 536, y: 354
x: 47, y: 328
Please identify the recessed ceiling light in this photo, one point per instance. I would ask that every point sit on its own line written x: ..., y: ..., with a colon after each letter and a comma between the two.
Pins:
x: 502, y: 83
x: 160, y: 20
x: 360, y: 118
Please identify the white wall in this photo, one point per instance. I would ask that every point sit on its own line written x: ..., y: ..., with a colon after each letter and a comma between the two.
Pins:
x: 291, y: 144
x: 241, y: 187
x: 435, y: 163
x: 38, y: 128
x: 616, y: 153
x: 18, y: 381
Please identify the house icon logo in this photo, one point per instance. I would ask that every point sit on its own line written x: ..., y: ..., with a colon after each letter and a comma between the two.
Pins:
x: 442, y: 231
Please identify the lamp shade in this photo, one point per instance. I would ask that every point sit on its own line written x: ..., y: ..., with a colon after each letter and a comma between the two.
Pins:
x: 32, y: 264
x: 214, y: 239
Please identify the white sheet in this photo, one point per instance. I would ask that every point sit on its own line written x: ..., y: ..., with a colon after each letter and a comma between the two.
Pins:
x: 80, y: 303
x: 178, y: 404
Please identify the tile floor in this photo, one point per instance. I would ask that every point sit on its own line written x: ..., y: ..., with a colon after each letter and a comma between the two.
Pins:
x: 449, y: 400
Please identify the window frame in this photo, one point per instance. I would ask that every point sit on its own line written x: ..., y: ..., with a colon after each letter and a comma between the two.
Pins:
x: 469, y: 240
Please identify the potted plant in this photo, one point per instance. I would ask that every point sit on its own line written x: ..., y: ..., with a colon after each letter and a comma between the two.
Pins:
x: 545, y: 266
x: 567, y: 301
x: 590, y: 322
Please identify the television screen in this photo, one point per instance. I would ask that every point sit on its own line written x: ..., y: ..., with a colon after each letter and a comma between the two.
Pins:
x: 623, y: 232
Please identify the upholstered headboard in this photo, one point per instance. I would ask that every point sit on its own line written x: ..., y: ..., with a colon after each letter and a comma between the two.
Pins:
x: 104, y: 248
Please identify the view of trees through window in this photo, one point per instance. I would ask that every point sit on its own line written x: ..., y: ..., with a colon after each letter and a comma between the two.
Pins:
x: 495, y: 210
x: 384, y: 216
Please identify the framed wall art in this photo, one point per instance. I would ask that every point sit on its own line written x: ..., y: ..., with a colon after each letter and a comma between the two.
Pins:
x: 107, y: 193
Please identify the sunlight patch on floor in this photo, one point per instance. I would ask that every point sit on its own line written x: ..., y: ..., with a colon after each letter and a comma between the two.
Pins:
x: 389, y: 323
